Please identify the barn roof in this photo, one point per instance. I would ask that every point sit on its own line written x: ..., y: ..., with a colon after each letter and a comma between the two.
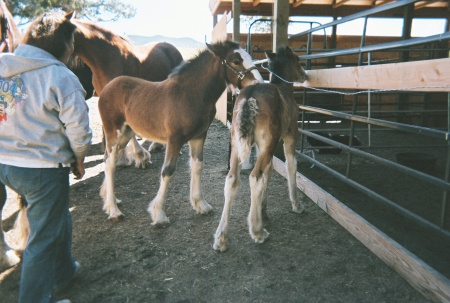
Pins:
x: 423, y: 9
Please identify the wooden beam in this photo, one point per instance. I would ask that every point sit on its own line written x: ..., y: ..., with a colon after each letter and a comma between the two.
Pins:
x: 427, y: 75
x: 236, y: 20
x: 430, y: 283
x: 256, y: 2
x: 297, y: 3
x: 339, y: 3
x: 383, y: 2
x: 281, y: 22
x: 423, y: 4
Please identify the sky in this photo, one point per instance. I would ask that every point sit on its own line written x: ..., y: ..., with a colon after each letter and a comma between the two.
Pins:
x: 193, y: 19
x: 172, y: 18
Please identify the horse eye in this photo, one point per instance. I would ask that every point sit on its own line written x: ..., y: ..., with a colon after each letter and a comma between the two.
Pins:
x: 236, y: 62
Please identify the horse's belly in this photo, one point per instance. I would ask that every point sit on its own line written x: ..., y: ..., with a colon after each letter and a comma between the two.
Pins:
x: 150, y: 133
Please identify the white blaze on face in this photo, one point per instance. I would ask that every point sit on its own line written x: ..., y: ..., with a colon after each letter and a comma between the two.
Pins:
x: 248, y: 62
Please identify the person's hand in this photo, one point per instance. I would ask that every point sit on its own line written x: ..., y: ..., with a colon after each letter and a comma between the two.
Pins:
x: 78, y: 169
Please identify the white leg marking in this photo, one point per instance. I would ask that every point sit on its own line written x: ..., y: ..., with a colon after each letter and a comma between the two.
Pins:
x: 107, y: 190
x: 257, y: 188
x: 291, y: 167
x: 230, y: 191
x: 197, y: 202
x: 156, y: 207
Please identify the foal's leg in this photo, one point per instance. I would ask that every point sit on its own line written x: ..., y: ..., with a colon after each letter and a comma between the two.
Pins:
x: 156, y: 207
x: 114, y: 142
x: 232, y: 183
x: 107, y: 191
x: 141, y: 156
x: 9, y: 257
x: 259, y: 179
x: 196, y: 150
x: 3, y: 246
x: 291, y: 166
x: 155, y: 147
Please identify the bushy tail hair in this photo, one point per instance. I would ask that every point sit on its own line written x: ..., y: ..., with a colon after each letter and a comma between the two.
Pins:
x: 245, y: 121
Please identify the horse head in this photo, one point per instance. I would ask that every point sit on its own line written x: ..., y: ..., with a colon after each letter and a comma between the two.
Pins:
x: 237, y: 64
x: 285, y: 66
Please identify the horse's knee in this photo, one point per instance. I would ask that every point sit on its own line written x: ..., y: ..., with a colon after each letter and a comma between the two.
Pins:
x: 168, y: 170
x: 233, y: 180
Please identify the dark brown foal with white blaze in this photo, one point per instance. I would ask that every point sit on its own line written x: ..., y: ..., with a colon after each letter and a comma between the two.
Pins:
x: 109, y: 55
x: 175, y: 111
x: 263, y: 115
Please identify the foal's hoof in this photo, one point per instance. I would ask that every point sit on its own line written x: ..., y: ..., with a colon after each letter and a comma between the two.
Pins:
x: 156, y: 147
x: 9, y: 259
x: 203, y: 208
x: 159, y: 218
x: 298, y: 207
x: 260, y: 237
x: 161, y: 222
x: 117, y: 218
x: 220, y: 243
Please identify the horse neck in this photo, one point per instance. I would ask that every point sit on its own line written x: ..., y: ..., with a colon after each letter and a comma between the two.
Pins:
x: 98, y: 52
x: 206, y: 74
x: 281, y: 81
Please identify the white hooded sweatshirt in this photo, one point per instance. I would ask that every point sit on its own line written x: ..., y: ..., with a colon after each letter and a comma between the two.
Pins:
x: 44, y: 119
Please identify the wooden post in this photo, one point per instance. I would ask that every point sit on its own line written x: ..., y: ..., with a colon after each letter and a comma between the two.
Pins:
x: 236, y: 20
x: 280, y: 24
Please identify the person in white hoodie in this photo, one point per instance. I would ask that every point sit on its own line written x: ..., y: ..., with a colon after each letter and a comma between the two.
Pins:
x: 44, y: 132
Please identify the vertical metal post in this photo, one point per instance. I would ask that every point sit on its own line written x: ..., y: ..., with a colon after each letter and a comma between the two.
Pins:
x: 447, y: 170
x: 369, y: 105
x: 355, y: 101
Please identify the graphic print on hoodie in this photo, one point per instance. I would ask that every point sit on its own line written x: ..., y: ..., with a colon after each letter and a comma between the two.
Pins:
x: 12, y: 96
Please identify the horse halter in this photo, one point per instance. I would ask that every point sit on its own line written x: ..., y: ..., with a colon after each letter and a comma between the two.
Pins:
x: 240, y: 74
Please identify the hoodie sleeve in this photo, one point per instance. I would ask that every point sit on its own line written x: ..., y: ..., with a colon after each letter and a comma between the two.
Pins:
x: 74, y: 114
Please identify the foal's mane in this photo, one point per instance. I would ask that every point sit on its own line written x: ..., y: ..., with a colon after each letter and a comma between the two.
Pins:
x: 204, y: 56
x: 185, y: 67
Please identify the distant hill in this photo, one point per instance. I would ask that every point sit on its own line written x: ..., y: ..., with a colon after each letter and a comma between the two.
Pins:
x: 177, y: 42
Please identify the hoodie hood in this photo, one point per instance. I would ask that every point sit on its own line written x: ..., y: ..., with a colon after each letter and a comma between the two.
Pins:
x: 25, y: 58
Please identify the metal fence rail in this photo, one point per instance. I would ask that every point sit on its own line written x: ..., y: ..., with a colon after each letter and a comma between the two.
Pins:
x: 353, y: 117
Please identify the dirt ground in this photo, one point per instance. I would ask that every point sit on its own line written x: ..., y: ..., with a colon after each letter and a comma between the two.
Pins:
x: 307, y: 258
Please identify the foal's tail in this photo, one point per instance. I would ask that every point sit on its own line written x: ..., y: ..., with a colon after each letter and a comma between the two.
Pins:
x: 245, y: 131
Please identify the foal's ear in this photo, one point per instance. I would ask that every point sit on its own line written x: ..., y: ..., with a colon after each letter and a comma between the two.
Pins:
x: 271, y: 55
x: 215, y: 49
x: 70, y: 15
x: 290, y: 51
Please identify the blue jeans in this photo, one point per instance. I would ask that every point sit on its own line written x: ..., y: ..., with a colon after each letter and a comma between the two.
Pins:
x: 47, y: 261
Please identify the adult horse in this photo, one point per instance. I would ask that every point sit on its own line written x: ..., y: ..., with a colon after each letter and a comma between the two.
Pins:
x: 175, y: 111
x: 109, y: 55
x: 263, y: 115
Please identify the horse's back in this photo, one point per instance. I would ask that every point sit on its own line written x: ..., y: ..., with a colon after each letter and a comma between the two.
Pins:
x: 270, y: 98
x: 276, y: 108
x: 160, y: 60
x: 122, y: 86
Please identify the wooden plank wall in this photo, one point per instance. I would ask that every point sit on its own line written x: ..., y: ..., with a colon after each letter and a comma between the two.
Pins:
x: 220, y: 34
